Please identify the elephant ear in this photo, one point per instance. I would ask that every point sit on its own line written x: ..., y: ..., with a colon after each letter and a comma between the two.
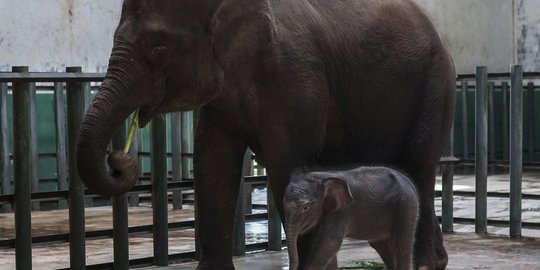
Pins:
x: 337, y: 194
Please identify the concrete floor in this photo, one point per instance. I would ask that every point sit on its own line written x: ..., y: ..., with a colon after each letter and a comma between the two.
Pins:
x: 466, y: 249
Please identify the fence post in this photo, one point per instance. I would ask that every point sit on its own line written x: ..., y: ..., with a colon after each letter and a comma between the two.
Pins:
x: 481, y: 150
x: 60, y: 124
x: 530, y: 120
x: 274, y: 221
x: 186, y: 143
x: 516, y: 148
x: 248, y: 187
x: 176, y: 142
x: 5, y: 162
x: 239, y: 234
x: 22, y: 152
x: 491, y: 123
x: 133, y: 199
x: 159, y: 191
x: 33, y: 142
x: 448, y: 187
x: 75, y: 114
x: 464, y: 119
x: 120, y: 213
x: 505, y: 128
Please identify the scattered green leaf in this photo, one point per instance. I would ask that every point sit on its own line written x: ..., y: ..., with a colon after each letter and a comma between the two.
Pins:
x: 364, y: 265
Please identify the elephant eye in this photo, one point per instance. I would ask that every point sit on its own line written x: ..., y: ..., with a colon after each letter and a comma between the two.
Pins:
x: 158, y: 51
x: 305, y: 208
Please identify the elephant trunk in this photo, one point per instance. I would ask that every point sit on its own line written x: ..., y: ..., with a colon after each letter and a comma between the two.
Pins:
x: 292, y: 248
x: 111, y: 106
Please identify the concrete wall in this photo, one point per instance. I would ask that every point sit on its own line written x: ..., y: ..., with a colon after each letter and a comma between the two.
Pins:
x: 528, y: 34
x: 49, y: 35
x: 478, y: 32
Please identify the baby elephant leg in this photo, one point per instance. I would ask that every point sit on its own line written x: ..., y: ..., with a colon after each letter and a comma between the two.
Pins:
x: 396, y: 251
x: 385, y: 251
x: 332, y: 264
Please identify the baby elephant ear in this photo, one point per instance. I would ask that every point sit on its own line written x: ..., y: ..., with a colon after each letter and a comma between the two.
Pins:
x: 336, y: 194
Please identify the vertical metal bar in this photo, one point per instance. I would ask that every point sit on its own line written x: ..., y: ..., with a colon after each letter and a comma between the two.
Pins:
x: 530, y: 120
x: 464, y: 119
x: 159, y: 191
x: 186, y: 144
x: 86, y: 92
x: 491, y: 122
x: 481, y: 150
x: 75, y: 113
x: 248, y: 187
x: 60, y: 124
x: 176, y: 141
x: 516, y: 148
x: 5, y: 163
x: 505, y: 114
x: 239, y: 234
x: 448, y: 188
x: 260, y: 169
x: 133, y: 199
x: 248, y: 198
x: 22, y: 138
x: 274, y: 221
x: 120, y: 213
x: 33, y: 143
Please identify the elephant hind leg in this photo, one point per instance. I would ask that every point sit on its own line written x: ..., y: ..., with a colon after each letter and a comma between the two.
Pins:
x: 420, y: 158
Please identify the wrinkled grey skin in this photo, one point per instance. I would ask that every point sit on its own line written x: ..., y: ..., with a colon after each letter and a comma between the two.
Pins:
x: 378, y: 204
x: 299, y: 82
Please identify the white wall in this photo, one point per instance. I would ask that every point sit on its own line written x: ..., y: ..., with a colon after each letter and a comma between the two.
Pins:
x: 478, y: 32
x: 528, y: 34
x: 48, y: 35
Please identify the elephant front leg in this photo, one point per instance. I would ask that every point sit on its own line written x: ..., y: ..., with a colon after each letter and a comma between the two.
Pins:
x: 326, y: 242
x: 218, y: 166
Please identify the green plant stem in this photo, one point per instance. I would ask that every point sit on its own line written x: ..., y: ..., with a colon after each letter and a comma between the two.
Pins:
x: 132, y: 128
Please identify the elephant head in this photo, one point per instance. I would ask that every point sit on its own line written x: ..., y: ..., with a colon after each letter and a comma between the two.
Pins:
x: 307, y: 200
x: 162, y: 60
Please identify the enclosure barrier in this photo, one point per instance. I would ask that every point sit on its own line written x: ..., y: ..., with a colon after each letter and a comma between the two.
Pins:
x: 78, y: 93
x: 23, y: 86
x: 485, y: 152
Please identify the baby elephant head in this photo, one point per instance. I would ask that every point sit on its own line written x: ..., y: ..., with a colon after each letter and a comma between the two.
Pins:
x: 308, y: 198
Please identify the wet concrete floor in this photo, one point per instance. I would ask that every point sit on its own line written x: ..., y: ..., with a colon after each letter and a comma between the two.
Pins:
x: 466, y: 249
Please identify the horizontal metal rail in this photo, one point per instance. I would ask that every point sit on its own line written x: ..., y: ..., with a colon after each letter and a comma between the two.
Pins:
x: 495, y: 222
x: 108, y: 233
x: 50, y: 77
x: 499, y: 76
x: 490, y: 195
x: 174, y: 258
x: 96, y: 77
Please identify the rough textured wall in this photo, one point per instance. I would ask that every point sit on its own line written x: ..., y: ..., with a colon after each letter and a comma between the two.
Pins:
x: 478, y: 32
x: 49, y: 35
x: 528, y: 34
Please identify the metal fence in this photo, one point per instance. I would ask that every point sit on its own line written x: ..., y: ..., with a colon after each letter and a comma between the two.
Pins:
x: 70, y: 192
x: 485, y: 153
x: 26, y: 196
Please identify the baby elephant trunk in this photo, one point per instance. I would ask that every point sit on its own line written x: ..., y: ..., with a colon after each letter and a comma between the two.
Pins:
x: 292, y: 238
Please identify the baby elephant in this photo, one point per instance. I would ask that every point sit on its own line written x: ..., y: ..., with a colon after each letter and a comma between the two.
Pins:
x: 377, y: 204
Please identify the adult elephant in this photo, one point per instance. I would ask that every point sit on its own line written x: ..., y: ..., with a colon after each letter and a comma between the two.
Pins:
x: 300, y: 82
